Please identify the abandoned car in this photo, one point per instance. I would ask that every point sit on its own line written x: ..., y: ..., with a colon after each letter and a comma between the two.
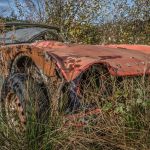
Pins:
x: 40, y: 70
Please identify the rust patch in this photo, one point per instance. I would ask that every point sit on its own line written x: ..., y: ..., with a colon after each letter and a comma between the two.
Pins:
x: 71, y: 59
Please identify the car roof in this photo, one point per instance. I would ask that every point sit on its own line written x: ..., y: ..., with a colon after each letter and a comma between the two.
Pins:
x: 25, y: 25
x: 21, y: 35
x: 23, y: 32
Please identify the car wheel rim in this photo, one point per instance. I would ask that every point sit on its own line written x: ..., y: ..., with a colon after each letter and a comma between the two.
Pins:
x: 15, y: 114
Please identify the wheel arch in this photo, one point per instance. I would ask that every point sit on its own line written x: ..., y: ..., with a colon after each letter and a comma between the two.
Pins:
x: 18, y: 54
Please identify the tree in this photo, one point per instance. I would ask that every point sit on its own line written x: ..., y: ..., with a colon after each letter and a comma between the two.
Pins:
x: 91, y: 21
x: 141, y: 9
x: 70, y: 15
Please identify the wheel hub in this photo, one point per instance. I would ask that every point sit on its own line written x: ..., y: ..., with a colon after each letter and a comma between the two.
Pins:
x: 15, y: 114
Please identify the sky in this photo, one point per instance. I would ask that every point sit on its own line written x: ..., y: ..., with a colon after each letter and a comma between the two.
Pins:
x: 5, y: 5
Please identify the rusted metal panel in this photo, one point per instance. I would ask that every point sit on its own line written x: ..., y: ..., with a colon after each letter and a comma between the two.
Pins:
x: 9, y: 53
x: 141, y: 48
x: 73, y: 59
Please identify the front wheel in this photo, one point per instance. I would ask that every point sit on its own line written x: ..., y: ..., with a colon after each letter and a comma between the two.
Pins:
x: 25, y: 103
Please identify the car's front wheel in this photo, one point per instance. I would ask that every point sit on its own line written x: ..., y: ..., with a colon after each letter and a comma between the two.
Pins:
x: 25, y: 103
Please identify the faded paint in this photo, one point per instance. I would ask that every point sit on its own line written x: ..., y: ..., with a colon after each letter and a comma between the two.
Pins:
x: 72, y: 59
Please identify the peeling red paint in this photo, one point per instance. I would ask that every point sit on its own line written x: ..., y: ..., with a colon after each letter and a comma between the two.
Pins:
x: 121, y: 60
x: 72, y: 59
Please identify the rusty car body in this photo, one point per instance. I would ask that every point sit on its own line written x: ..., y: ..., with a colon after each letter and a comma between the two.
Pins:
x: 61, y: 63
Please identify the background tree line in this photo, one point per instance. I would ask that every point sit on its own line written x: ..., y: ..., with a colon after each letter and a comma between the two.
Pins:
x: 90, y: 21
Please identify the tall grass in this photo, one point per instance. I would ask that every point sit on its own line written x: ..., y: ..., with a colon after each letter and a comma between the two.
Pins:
x: 122, y: 124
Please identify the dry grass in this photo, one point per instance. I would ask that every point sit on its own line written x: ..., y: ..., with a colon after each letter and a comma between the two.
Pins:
x: 123, y: 124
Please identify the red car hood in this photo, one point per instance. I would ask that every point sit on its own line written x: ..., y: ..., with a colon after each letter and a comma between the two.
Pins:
x: 121, y: 60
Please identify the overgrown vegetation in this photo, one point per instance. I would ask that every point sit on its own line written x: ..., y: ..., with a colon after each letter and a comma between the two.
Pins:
x: 122, y: 123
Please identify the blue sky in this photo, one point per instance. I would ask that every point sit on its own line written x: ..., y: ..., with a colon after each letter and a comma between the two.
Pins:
x: 3, y: 3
